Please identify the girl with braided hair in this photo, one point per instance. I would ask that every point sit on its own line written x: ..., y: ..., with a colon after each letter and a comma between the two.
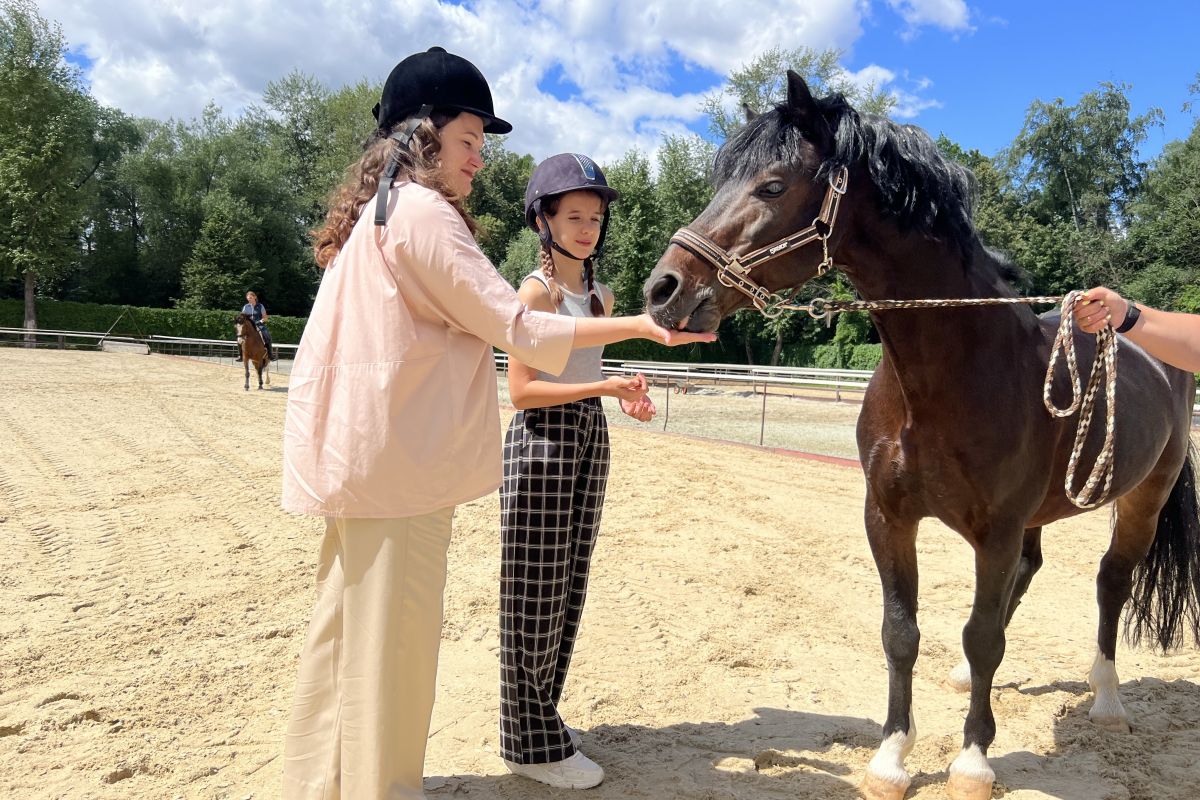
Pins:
x: 392, y: 420
x: 555, y: 471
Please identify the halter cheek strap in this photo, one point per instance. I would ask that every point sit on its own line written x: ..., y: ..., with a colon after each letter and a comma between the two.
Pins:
x: 389, y: 172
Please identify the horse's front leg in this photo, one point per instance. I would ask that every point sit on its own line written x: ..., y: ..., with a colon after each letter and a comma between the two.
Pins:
x: 1031, y: 561
x: 894, y: 545
x: 246, y: 365
x: 258, y: 366
x: 997, y: 553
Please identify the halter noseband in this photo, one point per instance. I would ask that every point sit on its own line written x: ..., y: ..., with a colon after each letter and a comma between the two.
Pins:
x: 734, y: 271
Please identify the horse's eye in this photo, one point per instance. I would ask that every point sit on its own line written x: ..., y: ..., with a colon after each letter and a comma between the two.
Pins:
x: 771, y: 189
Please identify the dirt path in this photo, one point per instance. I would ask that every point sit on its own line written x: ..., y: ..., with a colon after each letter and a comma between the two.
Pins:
x: 155, y: 599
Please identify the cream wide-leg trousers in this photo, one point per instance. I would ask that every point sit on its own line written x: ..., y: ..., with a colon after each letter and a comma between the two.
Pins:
x: 368, y: 669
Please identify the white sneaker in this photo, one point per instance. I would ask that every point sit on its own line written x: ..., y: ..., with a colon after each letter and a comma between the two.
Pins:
x: 576, y: 772
x: 574, y: 734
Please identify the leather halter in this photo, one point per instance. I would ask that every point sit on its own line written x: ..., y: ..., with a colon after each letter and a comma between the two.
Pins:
x: 734, y: 271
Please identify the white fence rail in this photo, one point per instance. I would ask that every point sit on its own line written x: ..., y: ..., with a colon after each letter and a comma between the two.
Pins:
x: 677, y: 378
x: 220, y: 349
x: 686, y: 376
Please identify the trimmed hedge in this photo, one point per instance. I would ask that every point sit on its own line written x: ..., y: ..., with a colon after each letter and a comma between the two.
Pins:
x: 55, y: 315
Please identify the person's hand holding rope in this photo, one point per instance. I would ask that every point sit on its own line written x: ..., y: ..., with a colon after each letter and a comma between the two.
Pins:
x: 1099, y: 307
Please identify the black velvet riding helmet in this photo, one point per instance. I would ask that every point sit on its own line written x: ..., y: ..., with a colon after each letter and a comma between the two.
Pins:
x: 441, y: 80
x: 419, y: 85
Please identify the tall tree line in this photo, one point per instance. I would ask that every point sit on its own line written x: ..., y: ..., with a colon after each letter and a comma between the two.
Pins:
x: 99, y: 206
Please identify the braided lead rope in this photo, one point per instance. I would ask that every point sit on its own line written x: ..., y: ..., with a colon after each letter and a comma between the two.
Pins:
x: 820, y: 308
x: 1105, y: 364
x: 1082, y: 401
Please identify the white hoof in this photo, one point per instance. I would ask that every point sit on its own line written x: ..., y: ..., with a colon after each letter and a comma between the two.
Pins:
x: 959, y: 678
x: 874, y: 787
x: 1106, y: 711
x: 886, y: 777
x: 971, y: 776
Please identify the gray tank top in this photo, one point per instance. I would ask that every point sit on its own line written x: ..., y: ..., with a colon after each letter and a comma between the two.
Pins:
x: 583, y: 365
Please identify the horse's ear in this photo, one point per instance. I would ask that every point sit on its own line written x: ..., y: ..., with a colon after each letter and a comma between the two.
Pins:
x: 799, y: 98
x: 804, y: 106
x: 750, y: 113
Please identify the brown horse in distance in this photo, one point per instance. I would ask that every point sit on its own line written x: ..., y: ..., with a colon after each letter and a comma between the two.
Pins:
x: 254, y: 350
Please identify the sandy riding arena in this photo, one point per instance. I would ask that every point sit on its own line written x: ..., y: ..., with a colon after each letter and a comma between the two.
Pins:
x: 155, y: 597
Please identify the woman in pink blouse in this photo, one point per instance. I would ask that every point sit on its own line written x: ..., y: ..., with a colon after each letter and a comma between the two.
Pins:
x: 392, y: 420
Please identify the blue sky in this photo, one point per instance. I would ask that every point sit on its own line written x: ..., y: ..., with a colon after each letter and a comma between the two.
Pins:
x: 602, y: 76
x: 1022, y: 51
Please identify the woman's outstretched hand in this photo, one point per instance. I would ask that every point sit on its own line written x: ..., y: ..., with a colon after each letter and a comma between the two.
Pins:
x: 670, y: 338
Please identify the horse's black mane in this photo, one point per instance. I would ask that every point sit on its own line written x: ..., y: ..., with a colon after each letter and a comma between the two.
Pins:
x: 922, y: 189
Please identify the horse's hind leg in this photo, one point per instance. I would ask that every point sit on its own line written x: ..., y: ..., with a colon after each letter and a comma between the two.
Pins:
x: 997, y: 554
x: 1031, y: 561
x: 894, y: 546
x: 1135, y: 525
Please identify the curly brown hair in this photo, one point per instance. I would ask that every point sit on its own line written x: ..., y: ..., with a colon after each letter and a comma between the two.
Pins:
x: 418, y: 163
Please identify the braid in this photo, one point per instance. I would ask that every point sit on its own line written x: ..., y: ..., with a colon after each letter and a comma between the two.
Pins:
x: 556, y: 294
x: 590, y: 277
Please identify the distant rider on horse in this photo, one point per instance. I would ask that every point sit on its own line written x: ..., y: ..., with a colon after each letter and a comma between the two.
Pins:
x: 257, y: 312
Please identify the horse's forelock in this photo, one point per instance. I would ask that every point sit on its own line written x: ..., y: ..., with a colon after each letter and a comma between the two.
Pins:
x: 765, y: 140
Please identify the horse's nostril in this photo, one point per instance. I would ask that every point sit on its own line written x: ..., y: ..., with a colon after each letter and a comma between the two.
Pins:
x: 663, y: 290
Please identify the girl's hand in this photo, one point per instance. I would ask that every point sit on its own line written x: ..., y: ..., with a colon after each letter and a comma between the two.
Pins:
x: 1099, y: 307
x: 624, y: 388
x: 642, y: 409
x: 670, y: 338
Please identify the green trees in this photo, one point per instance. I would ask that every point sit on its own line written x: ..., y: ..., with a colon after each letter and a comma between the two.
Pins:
x: 97, y: 206
x: 1073, y: 173
x: 1162, y: 249
x: 762, y: 82
x: 497, y: 198
x: 1080, y: 163
x: 44, y: 147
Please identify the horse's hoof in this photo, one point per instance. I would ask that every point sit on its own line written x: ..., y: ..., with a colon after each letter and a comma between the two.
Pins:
x: 1113, y: 724
x: 874, y: 787
x: 959, y: 678
x: 964, y: 787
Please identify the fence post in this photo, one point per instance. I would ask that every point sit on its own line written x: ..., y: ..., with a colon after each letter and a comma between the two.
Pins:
x: 667, y: 413
x: 763, y: 424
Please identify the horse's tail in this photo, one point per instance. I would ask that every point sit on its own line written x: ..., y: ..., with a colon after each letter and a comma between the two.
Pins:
x: 1166, y: 584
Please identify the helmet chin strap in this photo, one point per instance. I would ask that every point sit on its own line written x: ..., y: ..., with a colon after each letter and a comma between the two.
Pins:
x: 403, y: 137
x: 571, y: 256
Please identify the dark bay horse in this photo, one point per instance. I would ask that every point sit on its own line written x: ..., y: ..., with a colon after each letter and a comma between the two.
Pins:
x: 953, y: 424
x: 253, y: 349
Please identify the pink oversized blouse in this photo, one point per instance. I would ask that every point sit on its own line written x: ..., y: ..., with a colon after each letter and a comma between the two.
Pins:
x: 392, y: 408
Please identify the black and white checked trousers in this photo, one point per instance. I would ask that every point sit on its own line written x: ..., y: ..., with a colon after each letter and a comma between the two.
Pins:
x: 555, y: 471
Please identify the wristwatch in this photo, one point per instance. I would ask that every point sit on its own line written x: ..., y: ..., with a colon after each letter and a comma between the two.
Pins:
x: 1131, y: 317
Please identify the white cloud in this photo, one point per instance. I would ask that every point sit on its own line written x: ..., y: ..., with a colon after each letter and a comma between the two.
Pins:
x: 949, y: 15
x: 169, y: 58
